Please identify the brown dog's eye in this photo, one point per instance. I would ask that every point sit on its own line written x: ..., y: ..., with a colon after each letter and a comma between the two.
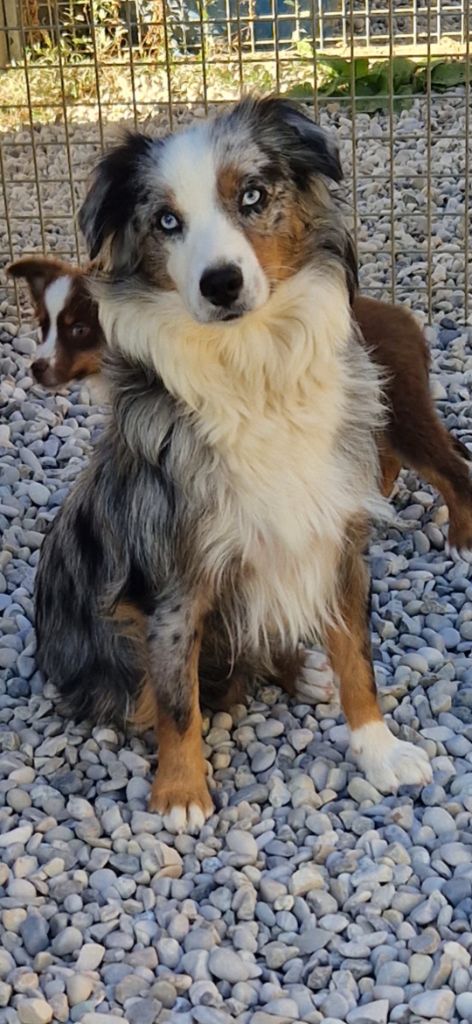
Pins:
x: 79, y: 331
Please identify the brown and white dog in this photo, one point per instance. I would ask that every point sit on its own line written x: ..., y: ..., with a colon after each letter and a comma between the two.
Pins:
x: 73, y: 345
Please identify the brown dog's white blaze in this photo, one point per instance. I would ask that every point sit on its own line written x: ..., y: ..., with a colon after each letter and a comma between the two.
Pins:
x: 72, y: 339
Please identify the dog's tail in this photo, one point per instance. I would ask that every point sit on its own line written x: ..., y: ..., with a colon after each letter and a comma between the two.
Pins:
x: 93, y: 660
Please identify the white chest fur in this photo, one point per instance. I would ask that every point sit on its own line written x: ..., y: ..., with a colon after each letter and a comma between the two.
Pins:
x: 274, y: 395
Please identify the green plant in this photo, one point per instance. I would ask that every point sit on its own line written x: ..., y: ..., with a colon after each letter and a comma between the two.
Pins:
x: 373, y: 83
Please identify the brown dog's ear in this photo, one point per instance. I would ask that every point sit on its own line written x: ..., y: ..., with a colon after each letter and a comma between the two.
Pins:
x: 38, y: 272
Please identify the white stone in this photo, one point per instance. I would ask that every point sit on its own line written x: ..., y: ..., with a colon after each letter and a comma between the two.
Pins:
x: 371, y: 1013
x: 79, y: 988
x: 464, y: 1006
x: 438, y: 1003
x: 458, y: 954
x: 90, y: 957
x: 307, y: 877
x: 34, y: 1011
x: 99, y: 1018
x: 243, y: 846
x: 16, y: 835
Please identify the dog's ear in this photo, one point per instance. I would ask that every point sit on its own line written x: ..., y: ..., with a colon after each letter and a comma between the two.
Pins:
x: 307, y: 147
x: 38, y: 272
x: 108, y: 209
x: 316, y: 145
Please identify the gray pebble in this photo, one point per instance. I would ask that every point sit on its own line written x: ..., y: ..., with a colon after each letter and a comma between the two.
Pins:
x: 35, y: 934
x: 39, y: 493
x: 67, y: 941
x: 464, y: 1006
x: 243, y: 847
x: 433, y: 1004
x: 224, y: 963
x: 164, y: 991
x: 103, y: 879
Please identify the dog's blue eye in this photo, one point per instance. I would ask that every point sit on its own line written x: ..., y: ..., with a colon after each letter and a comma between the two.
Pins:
x: 251, y: 197
x: 169, y: 222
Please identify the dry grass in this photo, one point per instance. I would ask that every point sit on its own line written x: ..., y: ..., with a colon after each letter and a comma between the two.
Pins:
x: 42, y: 91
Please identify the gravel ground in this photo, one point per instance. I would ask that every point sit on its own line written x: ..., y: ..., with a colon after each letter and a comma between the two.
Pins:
x: 308, y: 897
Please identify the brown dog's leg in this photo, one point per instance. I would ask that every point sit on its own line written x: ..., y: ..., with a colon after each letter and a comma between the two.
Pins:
x: 422, y: 442
x: 414, y: 431
x: 434, y: 454
x: 439, y: 463
x: 180, y: 790
x: 390, y: 467
x: 386, y: 761
x: 456, y: 489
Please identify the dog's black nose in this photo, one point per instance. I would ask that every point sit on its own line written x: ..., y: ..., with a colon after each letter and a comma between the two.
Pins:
x: 222, y: 285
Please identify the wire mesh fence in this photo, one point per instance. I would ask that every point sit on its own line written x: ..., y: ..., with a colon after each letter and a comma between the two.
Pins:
x: 390, y: 79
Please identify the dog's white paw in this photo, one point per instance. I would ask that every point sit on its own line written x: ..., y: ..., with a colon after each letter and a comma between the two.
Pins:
x: 184, y: 806
x: 387, y: 762
x: 189, y: 819
x: 458, y: 554
x: 316, y: 684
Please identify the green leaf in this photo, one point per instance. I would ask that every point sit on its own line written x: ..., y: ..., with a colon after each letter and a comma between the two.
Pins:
x: 304, y: 48
x: 448, y: 74
x: 334, y: 87
x: 301, y: 90
x: 432, y: 62
x: 361, y: 67
x: 365, y: 87
x: 403, y: 99
x: 403, y: 71
x: 379, y: 73
x: 404, y: 90
x: 338, y: 65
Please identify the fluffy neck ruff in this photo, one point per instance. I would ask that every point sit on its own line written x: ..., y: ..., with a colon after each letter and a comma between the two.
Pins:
x: 264, y: 362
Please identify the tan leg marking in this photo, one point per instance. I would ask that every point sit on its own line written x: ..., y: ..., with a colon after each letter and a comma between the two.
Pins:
x: 390, y: 467
x: 180, y: 791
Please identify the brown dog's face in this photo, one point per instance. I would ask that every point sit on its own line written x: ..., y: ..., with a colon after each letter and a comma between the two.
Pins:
x: 72, y: 339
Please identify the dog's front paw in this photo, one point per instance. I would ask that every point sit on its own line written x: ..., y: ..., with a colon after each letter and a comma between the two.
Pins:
x: 461, y: 551
x: 316, y: 684
x: 184, y: 808
x: 388, y: 762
